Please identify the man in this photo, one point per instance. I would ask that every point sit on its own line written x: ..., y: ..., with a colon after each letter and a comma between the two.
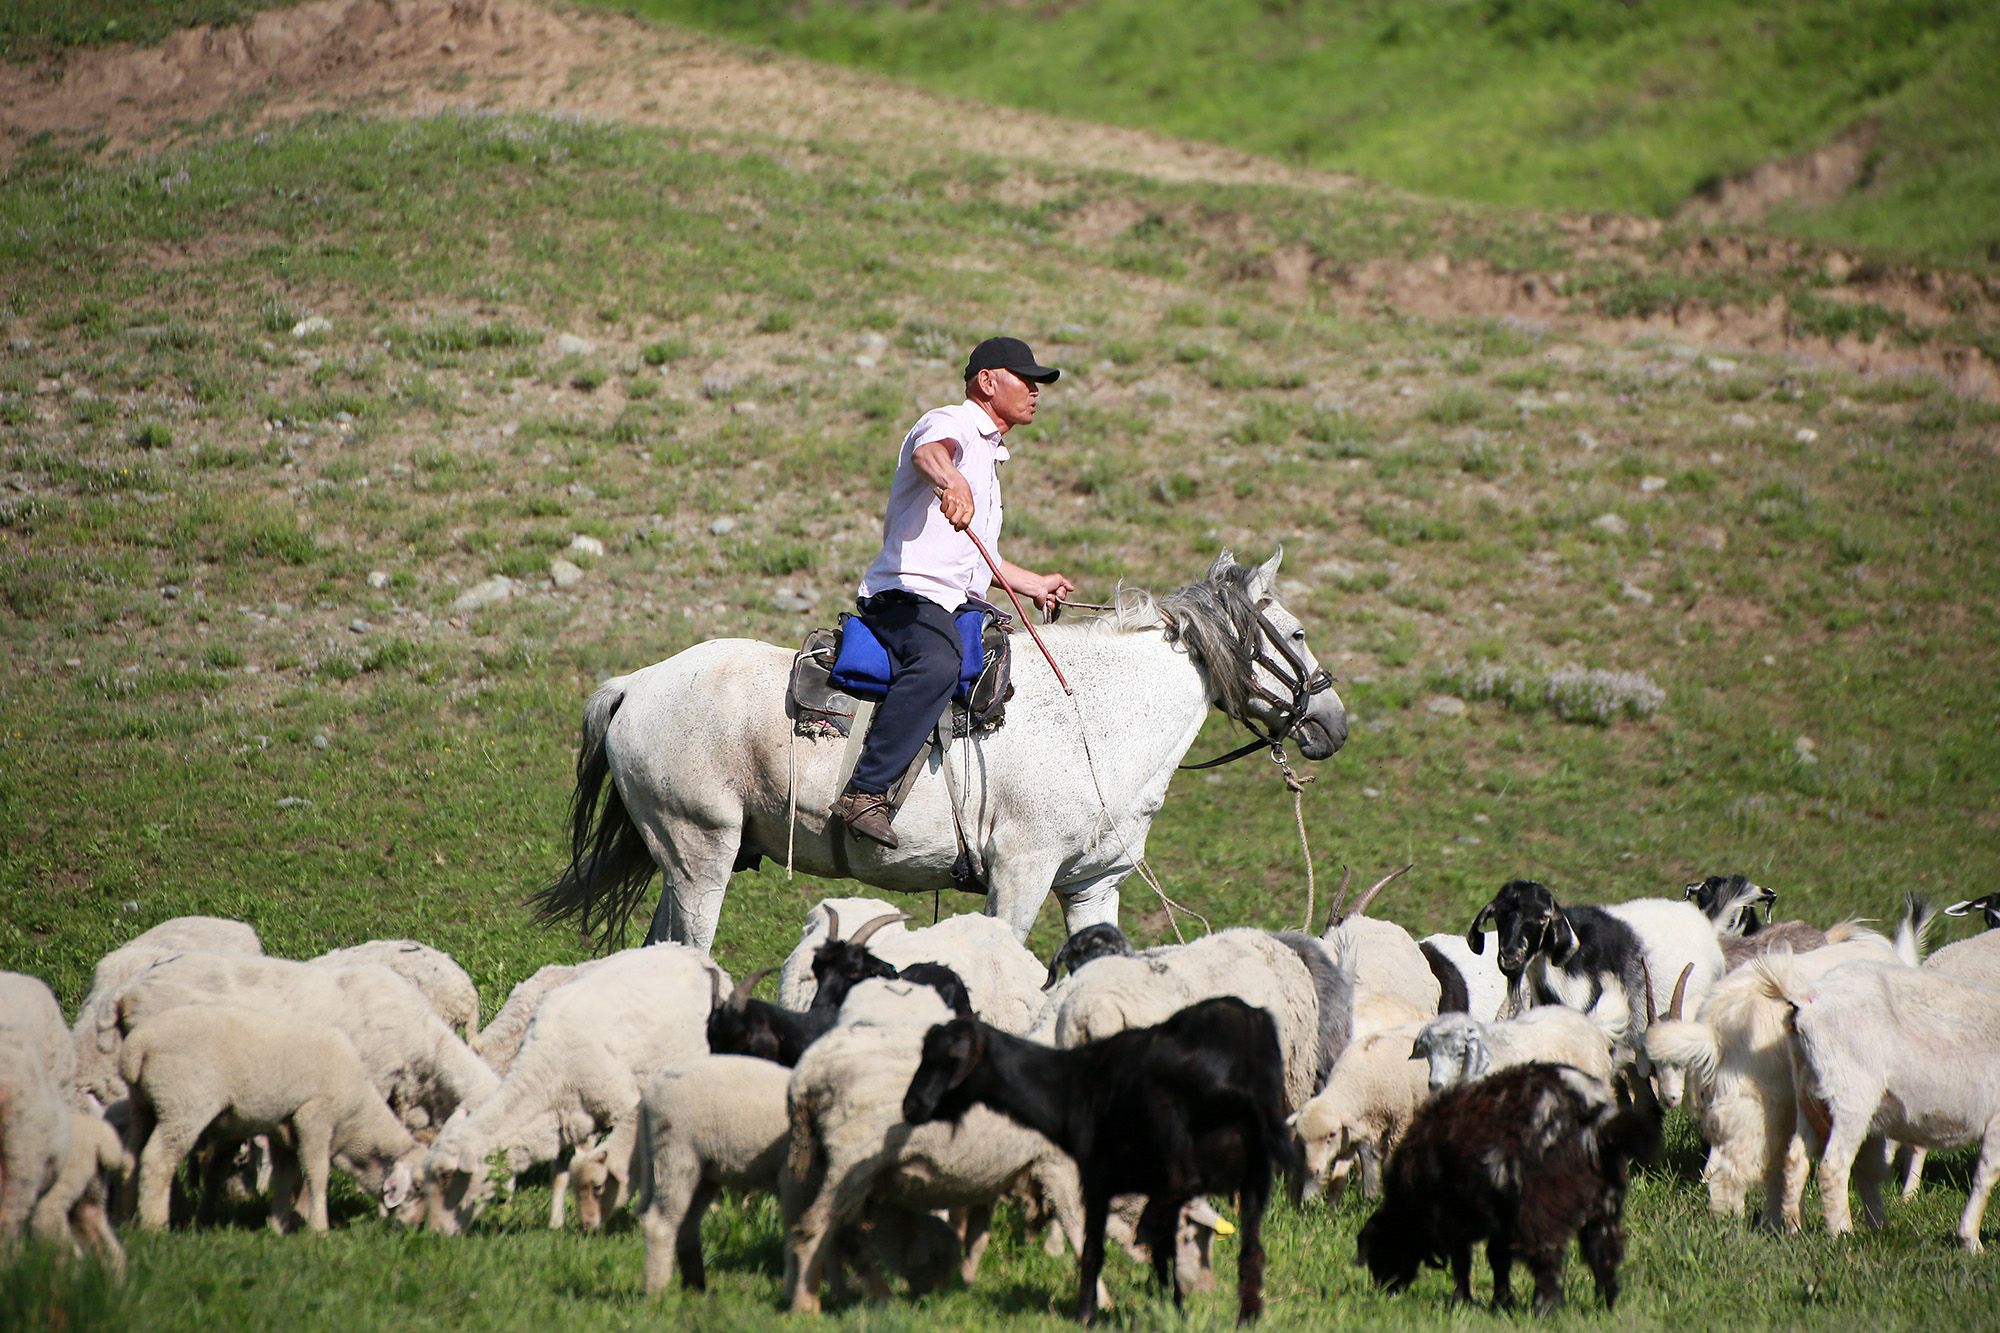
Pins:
x: 947, y: 481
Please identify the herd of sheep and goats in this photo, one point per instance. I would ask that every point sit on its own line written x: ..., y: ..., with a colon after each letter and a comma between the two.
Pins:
x: 1492, y: 1088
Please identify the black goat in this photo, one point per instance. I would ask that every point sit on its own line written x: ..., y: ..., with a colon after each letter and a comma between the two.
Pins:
x: 1103, y: 940
x: 765, y: 1031
x: 1731, y: 902
x: 1523, y: 1160
x: 1193, y: 1106
x: 947, y: 983
x: 1987, y: 907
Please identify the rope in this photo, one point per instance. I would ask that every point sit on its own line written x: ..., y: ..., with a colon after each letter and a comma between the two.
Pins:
x: 1297, y: 785
x: 792, y: 799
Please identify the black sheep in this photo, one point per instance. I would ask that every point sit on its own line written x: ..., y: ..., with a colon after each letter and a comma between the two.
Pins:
x: 1523, y: 1160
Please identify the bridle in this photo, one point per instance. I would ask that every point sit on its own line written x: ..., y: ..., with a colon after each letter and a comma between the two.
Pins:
x: 1252, y: 636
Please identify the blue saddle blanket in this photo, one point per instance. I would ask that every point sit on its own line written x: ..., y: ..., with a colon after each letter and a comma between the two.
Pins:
x: 862, y: 666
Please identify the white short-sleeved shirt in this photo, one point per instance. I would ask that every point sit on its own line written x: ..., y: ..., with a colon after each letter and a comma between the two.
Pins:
x: 921, y: 552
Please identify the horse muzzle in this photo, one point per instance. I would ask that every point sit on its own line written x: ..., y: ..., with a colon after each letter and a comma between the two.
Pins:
x: 1320, y: 734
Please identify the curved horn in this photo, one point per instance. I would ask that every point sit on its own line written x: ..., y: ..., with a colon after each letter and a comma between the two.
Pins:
x: 832, y: 923
x: 1680, y: 993
x: 1361, y: 908
x: 861, y: 936
x: 1960, y: 909
x: 740, y: 997
x: 1333, y: 913
x: 714, y: 989
x: 1646, y: 977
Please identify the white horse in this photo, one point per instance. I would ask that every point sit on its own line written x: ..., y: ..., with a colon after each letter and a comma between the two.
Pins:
x: 701, y: 757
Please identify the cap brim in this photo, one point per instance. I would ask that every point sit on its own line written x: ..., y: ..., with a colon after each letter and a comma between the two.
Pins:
x: 1039, y: 374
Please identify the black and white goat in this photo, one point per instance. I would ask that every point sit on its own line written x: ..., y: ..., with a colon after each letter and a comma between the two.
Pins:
x: 1103, y: 940
x: 1987, y: 907
x: 1732, y: 903
x: 1523, y: 1160
x: 1192, y: 1106
x: 741, y: 1025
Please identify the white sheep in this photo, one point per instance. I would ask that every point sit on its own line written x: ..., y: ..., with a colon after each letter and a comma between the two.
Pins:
x: 423, y: 1068
x: 848, y: 1143
x: 76, y: 1206
x: 1883, y: 1049
x: 1375, y: 1090
x: 34, y: 1135
x: 1458, y: 1048
x: 1002, y: 979
x: 592, y: 1044
x: 97, y: 1067
x: 1975, y: 961
x: 500, y: 1040
x: 1485, y: 985
x: 31, y: 1019
x: 1739, y: 1075
x: 432, y: 971
x: 257, y: 1073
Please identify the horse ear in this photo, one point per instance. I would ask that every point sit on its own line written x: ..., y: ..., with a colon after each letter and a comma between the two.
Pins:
x: 1265, y: 581
x: 1225, y: 560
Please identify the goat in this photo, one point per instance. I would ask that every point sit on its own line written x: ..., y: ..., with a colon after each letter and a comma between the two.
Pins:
x: 1523, y: 1160
x: 1195, y: 1105
x: 1102, y: 940
x: 1987, y: 907
x: 1731, y: 902
x: 765, y: 1031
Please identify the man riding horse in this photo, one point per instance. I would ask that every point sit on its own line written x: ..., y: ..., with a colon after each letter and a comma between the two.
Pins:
x: 947, y: 481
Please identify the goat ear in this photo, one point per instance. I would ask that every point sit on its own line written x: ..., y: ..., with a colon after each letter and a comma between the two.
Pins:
x: 968, y: 1044
x: 1562, y: 939
x: 1475, y: 935
x: 1055, y: 966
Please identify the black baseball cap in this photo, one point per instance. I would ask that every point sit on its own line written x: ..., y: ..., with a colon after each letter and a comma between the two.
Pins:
x: 1009, y: 354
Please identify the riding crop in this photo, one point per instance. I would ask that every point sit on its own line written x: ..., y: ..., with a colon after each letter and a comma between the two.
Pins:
x: 1019, y: 610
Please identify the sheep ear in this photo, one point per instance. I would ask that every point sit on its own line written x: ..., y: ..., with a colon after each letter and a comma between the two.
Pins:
x: 400, y: 1186
x: 1477, y: 1058
x: 1562, y: 940
x: 1417, y: 1051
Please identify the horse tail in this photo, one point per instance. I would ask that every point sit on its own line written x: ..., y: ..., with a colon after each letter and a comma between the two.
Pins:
x: 610, y: 864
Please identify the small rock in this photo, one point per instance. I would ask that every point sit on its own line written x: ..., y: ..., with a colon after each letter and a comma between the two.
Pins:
x: 312, y: 326
x: 1445, y: 705
x: 73, y: 661
x: 1370, y: 793
x: 584, y: 545
x: 1585, y: 441
x: 1652, y: 484
x: 717, y: 386
x: 564, y: 575
x: 746, y: 408
x: 1612, y: 524
x: 874, y: 344
x: 320, y: 742
x: 1632, y: 592
x: 800, y: 601
x: 490, y: 593
x: 1527, y: 402
x: 1806, y: 750
x: 1722, y: 365
x: 1482, y: 819
x: 378, y: 578
x: 1742, y: 421
x: 289, y: 802
x: 359, y: 626
x: 864, y: 363
x: 1467, y: 840
x: 1806, y: 435
x: 170, y: 593
x: 568, y: 344
x: 1770, y: 660
x: 722, y: 527
x: 129, y: 905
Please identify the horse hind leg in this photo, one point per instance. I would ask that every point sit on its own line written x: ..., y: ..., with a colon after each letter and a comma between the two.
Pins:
x: 695, y: 869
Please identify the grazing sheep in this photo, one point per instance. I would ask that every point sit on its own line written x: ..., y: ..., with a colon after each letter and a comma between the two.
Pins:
x: 849, y: 1144
x: 31, y: 1019
x: 76, y: 1206
x: 1522, y: 1160
x: 1739, y: 1074
x: 1881, y: 1049
x: 1376, y: 1087
x: 432, y: 971
x: 1003, y: 980
x: 415, y: 1061
x: 500, y: 1040
x: 256, y: 1073
x: 591, y: 1046
x: 1458, y: 1049
x: 1478, y: 971
x: 34, y: 1135
x: 97, y: 1068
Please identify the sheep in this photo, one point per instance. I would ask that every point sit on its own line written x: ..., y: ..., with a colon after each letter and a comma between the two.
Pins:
x: 1975, y: 961
x: 1375, y: 1088
x: 1522, y: 1160
x: 432, y: 971
x: 76, y: 1205
x: 97, y: 1067
x: 1479, y: 976
x: 1739, y: 1074
x: 1291, y: 976
x: 35, y: 1134
x: 1885, y: 1049
x: 1385, y: 958
x: 1602, y: 961
x: 1191, y: 1106
x: 500, y: 1040
x: 1102, y: 940
x: 196, y: 1065
x: 849, y: 1144
x: 1002, y: 978
x: 1987, y: 907
x: 591, y: 1045
x: 416, y: 1062
x: 31, y: 1019
x: 1458, y: 1049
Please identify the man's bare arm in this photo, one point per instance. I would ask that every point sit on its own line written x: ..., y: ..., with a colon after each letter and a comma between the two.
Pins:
x: 954, y: 493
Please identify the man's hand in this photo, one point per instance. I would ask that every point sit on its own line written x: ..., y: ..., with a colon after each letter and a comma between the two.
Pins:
x: 1042, y: 589
x: 955, y: 503
x: 954, y: 493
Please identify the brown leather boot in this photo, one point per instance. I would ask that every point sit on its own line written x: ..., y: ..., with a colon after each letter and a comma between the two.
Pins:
x: 866, y: 814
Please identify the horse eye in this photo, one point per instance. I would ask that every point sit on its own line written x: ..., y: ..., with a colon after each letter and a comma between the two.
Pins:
x: 1299, y: 635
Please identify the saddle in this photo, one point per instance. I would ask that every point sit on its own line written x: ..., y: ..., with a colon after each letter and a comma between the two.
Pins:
x: 838, y: 669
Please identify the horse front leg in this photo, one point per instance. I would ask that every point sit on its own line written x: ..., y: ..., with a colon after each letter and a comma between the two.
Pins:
x: 1017, y: 885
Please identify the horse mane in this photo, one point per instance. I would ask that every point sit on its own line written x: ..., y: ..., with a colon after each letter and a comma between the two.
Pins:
x: 1208, y: 618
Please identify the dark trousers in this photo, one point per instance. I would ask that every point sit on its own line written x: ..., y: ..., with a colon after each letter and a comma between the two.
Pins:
x: 925, y: 654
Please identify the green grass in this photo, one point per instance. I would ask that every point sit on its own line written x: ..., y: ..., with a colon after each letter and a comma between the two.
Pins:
x: 149, y: 739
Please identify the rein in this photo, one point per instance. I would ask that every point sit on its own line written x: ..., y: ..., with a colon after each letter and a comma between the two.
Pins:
x: 1291, y: 673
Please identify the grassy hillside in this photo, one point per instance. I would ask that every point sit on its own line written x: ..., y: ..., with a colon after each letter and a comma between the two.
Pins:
x: 1575, y: 104
x: 231, y: 539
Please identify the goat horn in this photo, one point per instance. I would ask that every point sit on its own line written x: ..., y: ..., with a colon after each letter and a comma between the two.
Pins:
x: 714, y: 989
x: 1333, y: 913
x: 740, y: 997
x: 1680, y: 993
x: 1959, y: 909
x: 1361, y: 908
x: 1646, y: 976
x: 832, y: 924
x: 862, y: 935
